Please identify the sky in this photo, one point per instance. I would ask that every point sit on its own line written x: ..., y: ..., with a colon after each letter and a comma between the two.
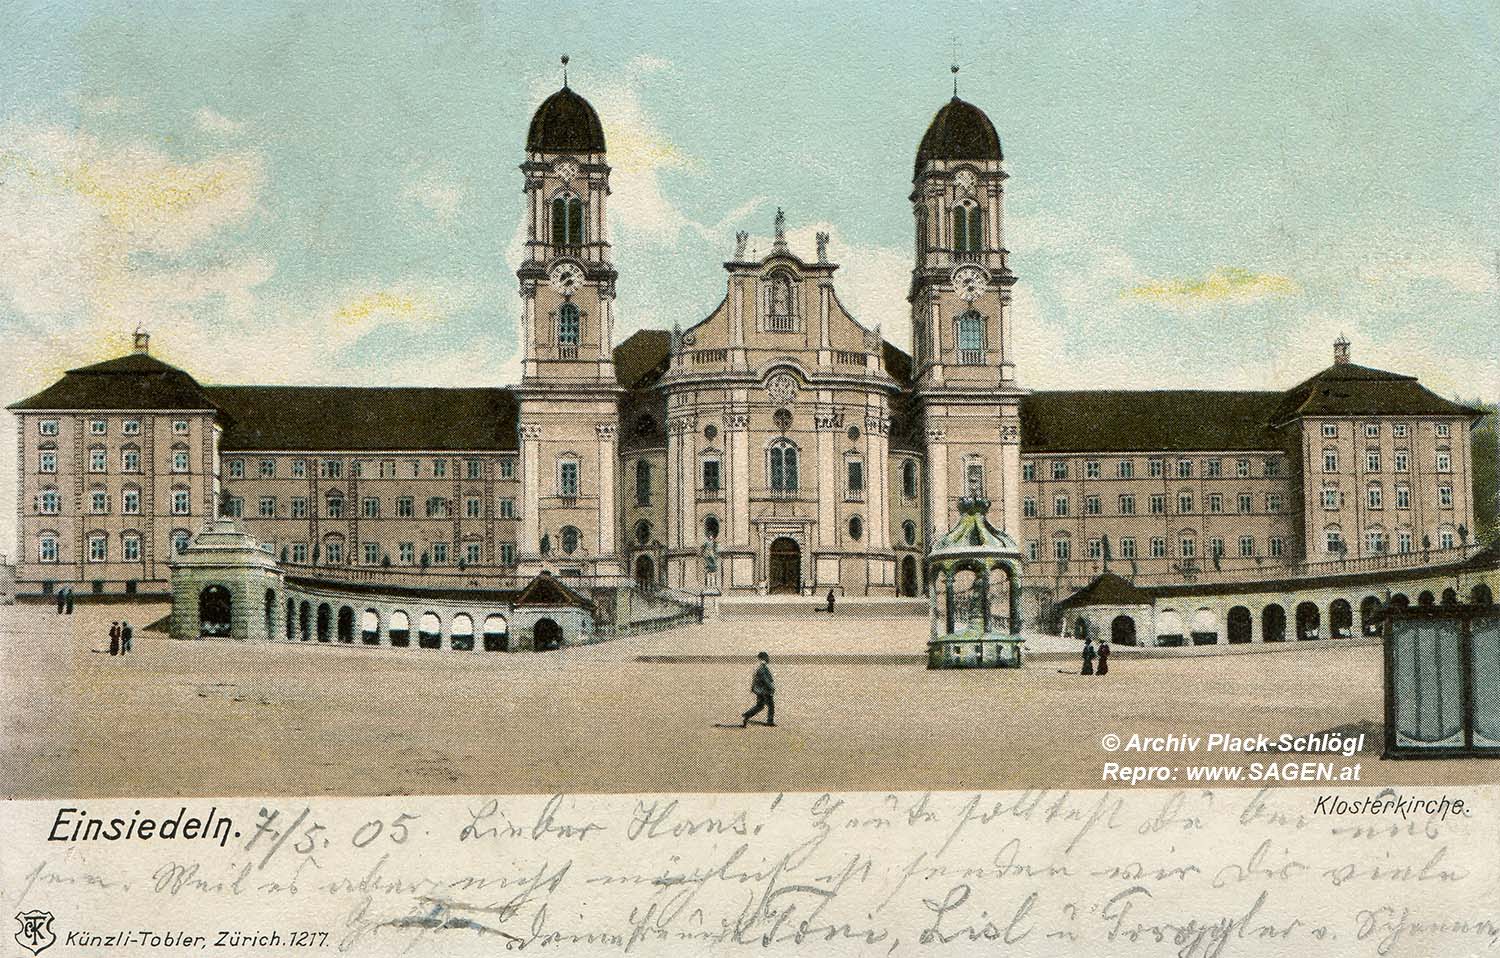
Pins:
x: 1202, y: 195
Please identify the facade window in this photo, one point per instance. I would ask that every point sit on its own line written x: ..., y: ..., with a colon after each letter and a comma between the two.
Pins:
x: 1401, y: 461
x: 331, y: 469
x: 1060, y: 506
x: 1125, y: 469
x: 974, y: 476
x: 473, y: 508
x: 854, y: 477
x: 406, y: 552
x: 299, y: 468
x: 49, y: 503
x: 1242, y: 468
x: 1184, y: 502
x: 1155, y: 468
x: 46, y: 427
x: 439, y: 553
x: 437, y: 507
x: 1215, y: 503
x: 1330, y: 460
x: 1216, y: 548
x: 98, y: 548
x: 1399, y: 430
x: 299, y: 507
x: 1028, y: 507
x: 1372, y: 430
x: 1442, y: 430
x: 180, y: 539
x: 405, y: 507
x: 130, y: 459
x: 971, y: 339
x: 909, y: 532
x: 909, y: 480
x: 567, y: 479
x: 1273, y: 502
x: 1062, y: 549
x: 642, y: 532
x: 130, y: 547
x: 98, y: 459
x: 181, y: 502
x: 234, y: 508
x: 968, y: 228
x: 1127, y: 547
x: 1213, y: 468
x: 712, y: 481
x: 268, y: 468
x: 507, y: 553
x: 1157, y: 504
x: 1187, y: 547
x: 416, y: 468
x: 1028, y: 472
x: 1444, y: 461
x: 1277, y: 547
x: 507, y: 508
x: 98, y: 502
x: 179, y: 460
x: 570, y: 537
x: 1059, y: 469
x: 46, y: 548
x: 567, y: 221
x: 1158, y: 547
x: 1403, y: 541
x: 179, y: 427
x: 299, y: 553
x: 1372, y: 460
x: 1373, y: 497
x: 1272, y: 468
x: 1333, y: 540
x: 236, y: 468
x: 47, y: 461
x: 642, y: 483
x: 1375, y: 540
x: 1184, y: 469
x: 372, y: 553
x: 1091, y: 469
x: 1033, y: 550
x: 1093, y: 506
x: 783, y: 468
x: 335, y: 506
x: 1445, y: 497
x: 333, y: 552
x: 1403, y: 497
x: 1096, y: 549
x: 1247, y: 547
x: 267, y: 508
x: 507, y: 468
x: 472, y: 553
x: 568, y: 329
x: 1445, y: 539
x: 473, y: 469
x: 369, y: 507
x: 98, y: 427
x: 1330, y: 430
x: 130, y: 501
x: 856, y: 528
x: 1331, y: 497
x: 1245, y: 503
x: 1127, y: 505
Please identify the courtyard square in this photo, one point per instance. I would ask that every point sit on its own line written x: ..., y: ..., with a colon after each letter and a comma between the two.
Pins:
x: 218, y: 718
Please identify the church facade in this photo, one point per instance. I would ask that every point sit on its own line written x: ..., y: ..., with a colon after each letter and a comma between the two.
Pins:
x: 776, y: 445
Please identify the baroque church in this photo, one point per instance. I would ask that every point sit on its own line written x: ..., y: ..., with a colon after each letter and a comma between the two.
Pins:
x: 775, y: 445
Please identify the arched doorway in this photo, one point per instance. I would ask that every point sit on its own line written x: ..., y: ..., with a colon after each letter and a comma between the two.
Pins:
x: 370, y: 627
x: 1273, y: 624
x: 1481, y: 595
x: 546, y: 635
x: 291, y: 619
x: 346, y: 624
x: 270, y: 613
x: 1340, y: 619
x: 1426, y: 599
x: 1240, y: 625
x: 496, y: 634
x: 1369, y: 615
x: 1205, y: 627
x: 1169, y: 628
x: 645, y: 571
x: 304, y: 622
x: 1400, y: 601
x: 325, y: 622
x: 1122, y: 630
x: 400, y: 629
x: 786, y: 567
x: 911, y: 582
x: 1309, y: 621
x: 1450, y: 597
x: 461, y: 633
x: 430, y: 632
x: 214, y: 607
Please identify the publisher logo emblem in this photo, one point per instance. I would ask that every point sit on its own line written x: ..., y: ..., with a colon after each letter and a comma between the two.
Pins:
x: 36, y: 931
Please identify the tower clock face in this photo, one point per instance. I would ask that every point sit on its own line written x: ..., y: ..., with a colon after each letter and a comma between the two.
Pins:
x: 567, y: 278
x: 566, y: 169
x: 969, y: 281
x: 966, y: 180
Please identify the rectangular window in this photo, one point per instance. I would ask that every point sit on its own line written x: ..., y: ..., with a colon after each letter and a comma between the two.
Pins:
x: 369, y: 507
x: 299, y: 553
x: 1444, y: 462
x: 1096, y: 549
x: 46, y: 549
x: 1399, y: 430
x: 1158, y: 504
x: 1372, y: 460
x: 47, y: 462
x: 1125, y: 469
x: 854, y: 476
x: 299, y: 468
x: 98, y: 427
x: 1215, y: 503
x: 98, y: 549
x: 1445, y: 497
x: 1330, y: 430
x: 131, y: 549
x: 507, y: 468
x: 1062, y: 549
x: 1403, y: 541
x: 331, y: 469
x: 299, y: 507
x: 98, y: 502
x: 130, y: 502
x: 130, y: 427
x: 507, y: 508
x: 976, y: 479
x: 1216, y: 547
x: 1372, y: 430
x: 1247, y: 547
x: 1445, y: 539
x: 472, y: 553
x: 711, y: 476
x: 1091, y: 469
x: 179, y: 427
x: 1442, y: 430
x: 179, y: 460
x: 1333, y: 541
x: 1184, y: 469
x: 267, y: 508
x: 405, y: 507
x: 1187, y: 548
x: 335, y: 507
x: 1033, y: 550
x: 507, y: 553
x: 236, y: 468
x: 1242, y: 468
x: 1403, y: 497
x: 1375, y: 540
x: 416, y: 468
x: 1028, y: 472
x: 1273, y: 502
x: 439, y: 468
x: 437, y: 507
x: 46, y: 427
x: 473, y: 508
x: 1127, y: 505
x: 567, y: 479
x: 1245, y: 503
x: 1213, y: 468
x: 268, y: 468
x: 1331, y: 498
x: 181, y: 502
x: 1028, y: 507
x: 387, y: 468
x: 1401, y: 460
x: 1184, y: 502
x: 1154, y: 468
x: 334, y: 553
x: 473, y: 469
x: 1278, y: 547
x: 235, y: 507
x: 1272, y: 468
x: 407, y: 553
x: 440, y: 553
x: 1093, y: 506
x: 1127, y: 548
x: 1330, y: 460
x: 1158, y: 547
x: 1373, y: 497
x: 357, y: 468
x: 49, y: 503
x: 98, y: 460
x: 1060, y: 506
x: 1059, y: 469
x: 372, y: 553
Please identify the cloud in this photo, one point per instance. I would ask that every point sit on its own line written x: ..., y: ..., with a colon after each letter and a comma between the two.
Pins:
x: 1222, y: 284
x: 441, y: 197
x: 210, y: 120
x: 1471, y: 273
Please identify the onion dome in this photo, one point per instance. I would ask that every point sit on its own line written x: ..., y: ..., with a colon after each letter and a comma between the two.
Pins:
x: 960, y: 131
x: 565, y: 123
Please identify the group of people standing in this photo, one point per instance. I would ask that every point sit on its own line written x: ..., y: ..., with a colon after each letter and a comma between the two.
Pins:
x: 120, y: 635
x: 65, y: 601
x: 1090, y: 653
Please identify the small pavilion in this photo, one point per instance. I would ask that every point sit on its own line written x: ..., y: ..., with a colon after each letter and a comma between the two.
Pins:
x: 968, y: 634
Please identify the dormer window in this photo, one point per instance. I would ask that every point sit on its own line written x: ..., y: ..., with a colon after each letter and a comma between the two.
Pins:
x: 567, y: 221
x: 968, y: 227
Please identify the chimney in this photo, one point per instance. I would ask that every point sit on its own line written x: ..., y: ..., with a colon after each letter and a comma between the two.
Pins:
x: 1341, y: 351
x: 142, y: 341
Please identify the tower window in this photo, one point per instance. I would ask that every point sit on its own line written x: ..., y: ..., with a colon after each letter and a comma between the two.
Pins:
x: 567, y: 330
x: 968, y: 228
x: 971, y: 339
x: 567, y: 221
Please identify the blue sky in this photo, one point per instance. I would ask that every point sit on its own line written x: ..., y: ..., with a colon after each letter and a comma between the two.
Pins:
x: 1202, y: 195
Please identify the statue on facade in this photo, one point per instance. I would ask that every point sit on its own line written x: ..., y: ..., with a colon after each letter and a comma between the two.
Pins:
x: 740, y: 239
x: 546, y: 544
x: 822, y: 247
x: 780, y: 226
x: 710, y: 556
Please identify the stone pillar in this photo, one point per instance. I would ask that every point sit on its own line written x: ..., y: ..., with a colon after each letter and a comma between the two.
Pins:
x: 736, y: 425
x: 937, y: 481
x: 878, y: 428
x: 932, y: 609
x: 948, y: 598
x: 531, y: 484
x: 826, y: 421
x: 1010, y: 474
x: 673, y: 482
x: 608, y: 458
x: 1014, y: 573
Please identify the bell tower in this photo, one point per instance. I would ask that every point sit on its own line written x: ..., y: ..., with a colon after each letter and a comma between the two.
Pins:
x: 963, y: 362
x: 569, y: 397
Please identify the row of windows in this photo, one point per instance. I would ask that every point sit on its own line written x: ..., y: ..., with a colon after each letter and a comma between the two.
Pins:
x: 97, y: 548
x: 1059, y: 469
x: 1376, y: 540
x: 130, y: 460
x: 434, y: 507
x: 1333, y: 498
x: 1372, y: 430
x: 1125, y: 505
x: 100, y: 427
x: 359, y: 469
x: 1400, y: 460
x: 49, y: 502
x: 1187, y: 548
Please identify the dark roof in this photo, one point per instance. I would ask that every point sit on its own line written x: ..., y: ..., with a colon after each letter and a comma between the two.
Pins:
x: 133, y: 381
x: 546, y: 590
x: 1168, y: 420
x: 643, y: 357
x: 1107, y: 589
x: 1347, y: 389
x: 565, y: 123
x: 366, y: 418
x: 897, y: 363
x: 959, y: 131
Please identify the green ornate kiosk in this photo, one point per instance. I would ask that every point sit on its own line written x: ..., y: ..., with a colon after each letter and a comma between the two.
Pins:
x: 968, y: 635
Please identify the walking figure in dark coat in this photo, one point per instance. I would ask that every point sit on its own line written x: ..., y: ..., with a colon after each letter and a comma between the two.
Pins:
x: 830, y: 602
x: 62, y: 596
x: 1103, y: 656
x: 126, y: 633
x: 1088, y: 656
x: 763, y: 687
x: 114, y: 638
x: 70, y: 600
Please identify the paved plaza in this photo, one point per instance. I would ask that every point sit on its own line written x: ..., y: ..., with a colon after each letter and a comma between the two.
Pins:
x: 223, y: 718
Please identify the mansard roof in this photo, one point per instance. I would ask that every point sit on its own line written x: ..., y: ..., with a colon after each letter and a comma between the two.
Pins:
x: 133, y: 381
x: 1161, y: 420
x: 1347, y: 389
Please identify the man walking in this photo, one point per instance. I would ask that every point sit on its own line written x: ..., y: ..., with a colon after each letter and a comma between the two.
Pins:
x: 126, y: 633
x: 70, y: 600
x: 763, y: 687
x: 830, y: 602
x: 62, y: 596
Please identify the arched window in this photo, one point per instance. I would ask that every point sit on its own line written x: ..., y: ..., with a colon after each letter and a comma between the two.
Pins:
x: 711, y: 527
x: 567, y: 325
x: 909, y: 479
x: 856, y: 528
x: 642, y: 532
x: 567, y: 221
x: 783, y: 468
x: 642, y: 482
x: 971, y: 339
x: 909, y: 532
x: 570, y: 536
x: 335, y: 505
x: 968, y: 228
